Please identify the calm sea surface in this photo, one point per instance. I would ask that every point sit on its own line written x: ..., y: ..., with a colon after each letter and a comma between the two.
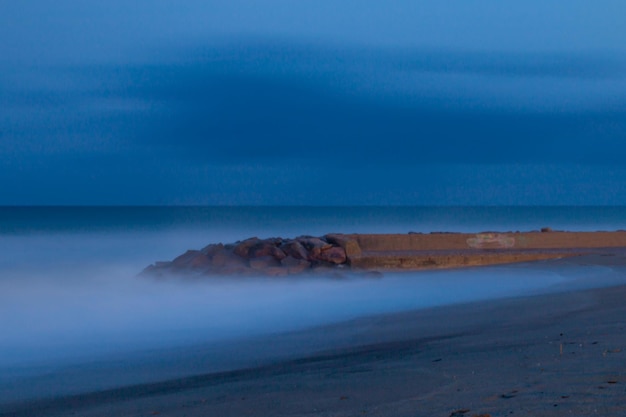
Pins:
x: 298, y: 220
x: 69, y: 290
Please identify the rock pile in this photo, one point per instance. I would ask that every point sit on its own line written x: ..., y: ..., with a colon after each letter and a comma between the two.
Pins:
x: 254, y: 256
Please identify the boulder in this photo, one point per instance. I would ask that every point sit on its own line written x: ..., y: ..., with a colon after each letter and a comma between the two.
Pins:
x: 225, y: 258
x: 263, y: 262
x: 276, y: 241
x: 295, y: 265
x: 313, y: 246
x: 200, y: 262
x: 294, y: 249
x: 310, y: 243
x: 266, y: 248
x: 212, y: 249
x: 243, y: 248
x: 334, y: 255
x: 351, y: 246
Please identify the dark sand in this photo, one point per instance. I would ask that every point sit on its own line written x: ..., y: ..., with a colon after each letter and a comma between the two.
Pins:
x: 559, y: 354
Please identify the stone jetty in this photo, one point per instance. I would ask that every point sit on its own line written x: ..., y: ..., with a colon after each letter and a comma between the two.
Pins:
x: 376, y: 252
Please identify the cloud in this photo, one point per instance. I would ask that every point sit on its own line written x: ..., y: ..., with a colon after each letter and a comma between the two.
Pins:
x: 276, y: 103
x: 260, y: 102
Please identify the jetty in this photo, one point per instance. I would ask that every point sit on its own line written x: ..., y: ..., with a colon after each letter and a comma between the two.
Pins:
x: 359, y: 252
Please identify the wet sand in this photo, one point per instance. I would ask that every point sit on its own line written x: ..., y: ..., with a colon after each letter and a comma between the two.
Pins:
x: 557, y: 354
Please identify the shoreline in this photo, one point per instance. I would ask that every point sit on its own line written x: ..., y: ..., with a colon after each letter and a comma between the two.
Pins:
x: 552, y: 354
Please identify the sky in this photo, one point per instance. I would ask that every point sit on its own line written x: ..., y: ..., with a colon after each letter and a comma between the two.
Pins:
x: 242, y: 102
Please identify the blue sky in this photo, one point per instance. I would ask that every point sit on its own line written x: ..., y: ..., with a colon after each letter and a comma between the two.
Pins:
x: 312, y: 102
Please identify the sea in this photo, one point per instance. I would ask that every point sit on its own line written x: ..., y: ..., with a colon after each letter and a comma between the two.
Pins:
x: 71, y: 293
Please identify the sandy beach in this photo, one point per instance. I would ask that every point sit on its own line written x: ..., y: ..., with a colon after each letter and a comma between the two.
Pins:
x: 554, y: 354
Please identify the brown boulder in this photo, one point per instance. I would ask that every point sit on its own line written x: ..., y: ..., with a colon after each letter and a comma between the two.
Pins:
x: 310, y: 243
x: 334, y: 255
x: 212, y: 249
x: 294, y: 249
x: 200, y: 261
x: 351, y: 246
x: 266, y: 248
x: 294, y: 265
x: 263, y: 262
x: 314, y: 246
x: 226, y: 258
x: 276, y: 241
x: 243, y: 248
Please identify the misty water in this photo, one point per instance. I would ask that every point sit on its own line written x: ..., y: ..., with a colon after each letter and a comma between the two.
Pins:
x: 70, y: 292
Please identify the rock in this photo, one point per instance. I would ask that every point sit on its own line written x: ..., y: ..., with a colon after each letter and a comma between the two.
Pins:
x: 191, y: 259
x: 226, y: 258
x: 294, y: 265
x: 263, y: 262
x: 200, y: 261
x: 334, y: 255
x: 243, y: 248
x: 294, y: 249
x: 546, y: 230
x: 313, y: 246
x: 266, y: 248
x: 275, y: 271
x: 351, y: 246
x: 212, y: 249
x: 311, y: 243
x: 276, y: 241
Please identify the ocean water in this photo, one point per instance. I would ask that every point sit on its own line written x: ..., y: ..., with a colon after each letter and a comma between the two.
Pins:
x: 70, y: 294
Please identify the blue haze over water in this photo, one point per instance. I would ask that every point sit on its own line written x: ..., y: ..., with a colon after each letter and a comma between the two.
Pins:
x: 69, y: 290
